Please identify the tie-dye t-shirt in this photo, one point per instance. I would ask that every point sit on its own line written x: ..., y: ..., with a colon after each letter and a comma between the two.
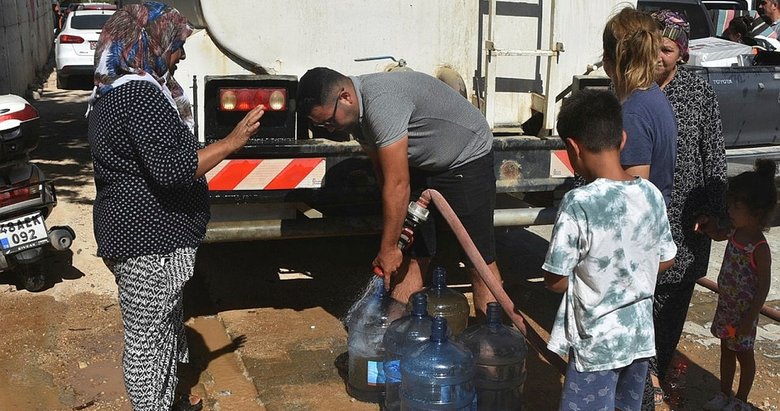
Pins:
x: 608, y: 238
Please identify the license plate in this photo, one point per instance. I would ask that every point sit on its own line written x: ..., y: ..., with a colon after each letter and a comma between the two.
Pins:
x: 22, y: 233
x: 92, y: 45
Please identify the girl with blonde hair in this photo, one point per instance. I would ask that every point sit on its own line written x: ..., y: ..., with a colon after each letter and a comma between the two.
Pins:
x: 631, y: 43
x: 632, y: 46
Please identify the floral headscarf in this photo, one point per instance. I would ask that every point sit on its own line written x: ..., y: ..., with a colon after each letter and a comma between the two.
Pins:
x: 675, y: 27
x: 136, y: 44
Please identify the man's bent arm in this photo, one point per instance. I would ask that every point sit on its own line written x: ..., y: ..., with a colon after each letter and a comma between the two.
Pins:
x: 393, y: 163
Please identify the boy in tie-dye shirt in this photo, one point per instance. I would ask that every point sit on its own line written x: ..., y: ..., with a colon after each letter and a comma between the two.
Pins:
x: 610, y: 240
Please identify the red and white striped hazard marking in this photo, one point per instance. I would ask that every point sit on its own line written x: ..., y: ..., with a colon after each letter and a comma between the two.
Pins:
x: 560, y: 166
x: 269, y: 174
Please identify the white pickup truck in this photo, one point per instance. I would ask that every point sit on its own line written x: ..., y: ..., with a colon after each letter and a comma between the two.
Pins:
x: 747, y: 88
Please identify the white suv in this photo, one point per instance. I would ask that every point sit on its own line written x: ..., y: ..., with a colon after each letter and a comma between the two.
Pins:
x: 74, y: 47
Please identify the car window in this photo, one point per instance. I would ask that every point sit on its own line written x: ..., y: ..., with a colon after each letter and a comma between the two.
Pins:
x: 89, y: 22
x: 699, y: 24
x: 725, y: 4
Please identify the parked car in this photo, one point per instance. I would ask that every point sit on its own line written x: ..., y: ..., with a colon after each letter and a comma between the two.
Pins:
x: 74, y: 47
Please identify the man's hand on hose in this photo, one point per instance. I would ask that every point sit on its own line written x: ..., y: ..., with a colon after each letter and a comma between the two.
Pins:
x: 388, y: 260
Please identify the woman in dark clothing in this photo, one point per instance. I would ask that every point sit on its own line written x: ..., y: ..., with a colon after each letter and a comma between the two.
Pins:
x: 151, y: 208
x: 699, y: 187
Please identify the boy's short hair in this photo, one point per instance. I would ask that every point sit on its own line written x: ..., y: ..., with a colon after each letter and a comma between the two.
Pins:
x: 593, y: 119
x: 314, y: 88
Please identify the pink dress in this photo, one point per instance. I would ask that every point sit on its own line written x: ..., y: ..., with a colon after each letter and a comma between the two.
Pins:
x: 738, y: 283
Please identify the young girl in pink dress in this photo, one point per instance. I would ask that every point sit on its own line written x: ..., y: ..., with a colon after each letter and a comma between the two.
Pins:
x: 743, y: 281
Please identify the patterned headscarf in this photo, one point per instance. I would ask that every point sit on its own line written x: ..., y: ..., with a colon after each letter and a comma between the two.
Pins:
x: 136, y: 44
x: 675, y: 27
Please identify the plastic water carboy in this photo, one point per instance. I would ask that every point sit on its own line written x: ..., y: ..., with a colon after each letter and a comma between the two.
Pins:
x: 499, y: 354
x: 438, y: 374
x: 403, y: 333
x: 368, y: 320
x: 446, y: 302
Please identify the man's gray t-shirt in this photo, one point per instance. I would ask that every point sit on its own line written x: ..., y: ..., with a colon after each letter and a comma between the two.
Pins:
x: 445, y: 131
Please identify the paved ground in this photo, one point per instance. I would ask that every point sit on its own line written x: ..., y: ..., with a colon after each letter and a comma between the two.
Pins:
x: 264, y: 317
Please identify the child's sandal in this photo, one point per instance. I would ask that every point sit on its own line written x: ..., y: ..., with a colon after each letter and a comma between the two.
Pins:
x: 658, y: 395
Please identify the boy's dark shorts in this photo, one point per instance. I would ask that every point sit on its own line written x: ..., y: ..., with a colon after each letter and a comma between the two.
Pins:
x: 471, y: 192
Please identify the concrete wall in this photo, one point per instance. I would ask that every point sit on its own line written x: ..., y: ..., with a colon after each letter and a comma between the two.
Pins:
x: 26, y: 38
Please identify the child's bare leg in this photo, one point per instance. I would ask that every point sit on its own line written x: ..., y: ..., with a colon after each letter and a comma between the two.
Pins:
x: 654, y: 379
x: 747, y: 372
x: 728, y: 366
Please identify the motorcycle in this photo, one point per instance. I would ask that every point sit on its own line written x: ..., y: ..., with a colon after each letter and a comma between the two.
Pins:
x: 26, y: 198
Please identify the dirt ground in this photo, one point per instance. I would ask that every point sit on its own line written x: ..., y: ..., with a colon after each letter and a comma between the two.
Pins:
x: 264, y: 317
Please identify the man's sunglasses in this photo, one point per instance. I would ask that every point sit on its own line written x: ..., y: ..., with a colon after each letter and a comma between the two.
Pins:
x: 331, y: 121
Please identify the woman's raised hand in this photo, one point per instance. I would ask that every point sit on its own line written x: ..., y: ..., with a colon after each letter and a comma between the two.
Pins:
x: 245, y: 128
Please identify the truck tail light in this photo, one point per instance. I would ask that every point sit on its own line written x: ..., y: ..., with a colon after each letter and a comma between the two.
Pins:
x: 245, y: 99
x: 68, y: 39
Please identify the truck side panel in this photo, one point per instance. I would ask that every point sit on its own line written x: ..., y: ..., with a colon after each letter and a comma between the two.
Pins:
x: 749, y: 98
x: 283, y: 37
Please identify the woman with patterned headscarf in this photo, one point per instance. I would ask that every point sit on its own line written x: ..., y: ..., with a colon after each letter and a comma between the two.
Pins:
x: 699, y: 187
x: 151, y: 207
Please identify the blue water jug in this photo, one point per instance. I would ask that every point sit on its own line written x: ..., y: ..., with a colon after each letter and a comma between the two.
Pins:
x: 446, y: 302
x: 499, y: 357
x: 437, y: 374
x: 367, y: 322
x: 403, y: 334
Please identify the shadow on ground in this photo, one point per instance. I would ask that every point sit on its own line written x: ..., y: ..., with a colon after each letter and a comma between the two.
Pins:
x: 329, y: 274
x: 57, y: 266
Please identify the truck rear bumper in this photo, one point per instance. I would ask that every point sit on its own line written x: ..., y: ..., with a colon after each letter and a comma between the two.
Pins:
x: 220, y: 231
x: 348, y: 200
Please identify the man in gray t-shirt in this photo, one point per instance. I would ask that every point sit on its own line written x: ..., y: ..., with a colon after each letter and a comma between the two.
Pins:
x: 419, y: 133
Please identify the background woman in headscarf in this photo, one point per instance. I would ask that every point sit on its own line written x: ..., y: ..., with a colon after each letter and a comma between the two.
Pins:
x: 699, y: 188
x: 151, y: 208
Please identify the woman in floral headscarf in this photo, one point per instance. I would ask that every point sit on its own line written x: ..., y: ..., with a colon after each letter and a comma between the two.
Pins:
x: 699, y: 187
x: 151, y: 207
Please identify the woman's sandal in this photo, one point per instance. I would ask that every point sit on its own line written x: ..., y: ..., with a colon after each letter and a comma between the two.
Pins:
x: 184, y: 403
x: 658, y: 395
